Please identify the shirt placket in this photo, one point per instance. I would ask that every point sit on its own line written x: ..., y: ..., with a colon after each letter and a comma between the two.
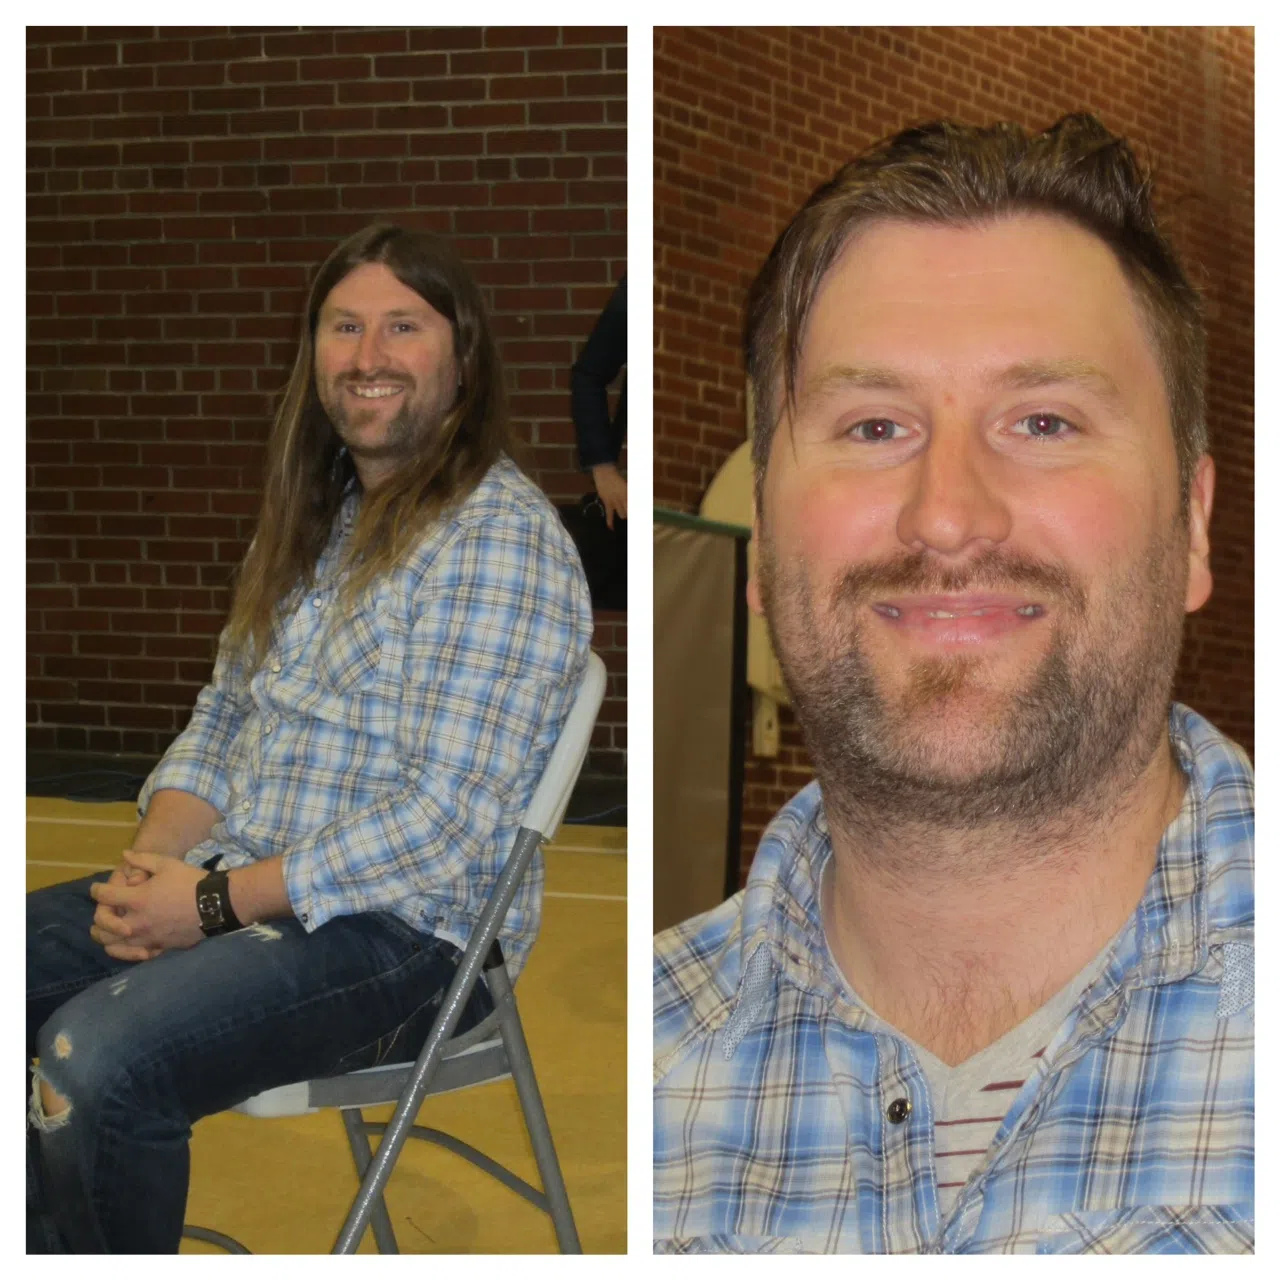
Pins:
x: 909, y: 1212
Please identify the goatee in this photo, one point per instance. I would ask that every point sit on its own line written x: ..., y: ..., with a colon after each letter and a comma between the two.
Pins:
x: 947, y: 750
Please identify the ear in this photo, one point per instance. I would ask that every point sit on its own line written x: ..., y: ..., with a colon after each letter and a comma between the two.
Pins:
x: 1199, y: 510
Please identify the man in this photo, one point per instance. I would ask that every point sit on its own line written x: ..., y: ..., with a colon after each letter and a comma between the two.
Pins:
x: 989, y: 986
x: 407, y: 634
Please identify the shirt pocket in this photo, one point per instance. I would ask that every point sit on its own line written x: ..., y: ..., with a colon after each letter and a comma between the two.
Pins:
x: 359, y: 668
x: 351, y: 653
x: 1213, y: 1228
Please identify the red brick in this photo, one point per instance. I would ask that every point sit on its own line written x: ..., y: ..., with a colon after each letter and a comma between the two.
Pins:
x: 192, y: 185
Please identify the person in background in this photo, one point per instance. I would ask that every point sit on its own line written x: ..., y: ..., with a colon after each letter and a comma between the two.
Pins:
x: 407, y: 635
x: 989, y: 987
x: 600, y: 438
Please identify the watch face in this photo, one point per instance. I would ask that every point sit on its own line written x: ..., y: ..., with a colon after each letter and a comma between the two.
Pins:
x: 209, y: 907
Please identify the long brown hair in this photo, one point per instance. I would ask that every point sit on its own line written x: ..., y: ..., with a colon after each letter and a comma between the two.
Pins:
x: 308, y: 470
x: 950, y: 173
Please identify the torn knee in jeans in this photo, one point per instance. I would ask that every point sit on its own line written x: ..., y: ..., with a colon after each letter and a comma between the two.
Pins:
x: 49, y: 1109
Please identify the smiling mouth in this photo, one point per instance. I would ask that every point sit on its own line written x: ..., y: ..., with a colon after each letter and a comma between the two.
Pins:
x: 963, y: 621
x: 982, y: 611
x: 376, y: 392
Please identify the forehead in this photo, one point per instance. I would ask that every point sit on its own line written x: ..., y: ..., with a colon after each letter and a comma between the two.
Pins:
x: 372, y: 289
x: 949, y: 299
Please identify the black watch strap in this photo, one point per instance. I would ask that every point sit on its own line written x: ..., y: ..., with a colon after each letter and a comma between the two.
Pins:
x: 213, y: 902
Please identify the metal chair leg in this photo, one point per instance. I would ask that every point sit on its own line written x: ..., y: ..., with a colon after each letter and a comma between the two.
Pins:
x: 209, y: 1236
x: 384, y: 1237
x: 535, y: 1116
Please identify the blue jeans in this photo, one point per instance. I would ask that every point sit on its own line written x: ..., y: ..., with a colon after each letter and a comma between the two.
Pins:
x: 142, y: 1050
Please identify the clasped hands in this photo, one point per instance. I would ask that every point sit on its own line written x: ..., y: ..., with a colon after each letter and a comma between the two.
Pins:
x: 147, y: 906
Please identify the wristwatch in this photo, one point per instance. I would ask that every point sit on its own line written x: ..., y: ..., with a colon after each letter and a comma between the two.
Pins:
x: 213, y: 902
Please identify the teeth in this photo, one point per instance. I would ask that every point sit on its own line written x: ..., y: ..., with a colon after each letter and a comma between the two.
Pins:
x: 375, y: 393
x: 889, y: 610
x: 1029, y: 610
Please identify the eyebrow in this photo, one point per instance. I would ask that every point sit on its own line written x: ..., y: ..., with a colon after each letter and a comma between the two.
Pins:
x: 1025, y: 375
x: 396, y: 314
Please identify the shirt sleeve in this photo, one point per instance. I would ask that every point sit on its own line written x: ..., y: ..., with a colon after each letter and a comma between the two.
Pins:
x: 196, y: 759
x: 595, y: 368
x: 491, y: 665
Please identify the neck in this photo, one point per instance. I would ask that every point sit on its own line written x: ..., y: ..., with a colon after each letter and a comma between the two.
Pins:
x: 373, y: 471
x: 954, y: 937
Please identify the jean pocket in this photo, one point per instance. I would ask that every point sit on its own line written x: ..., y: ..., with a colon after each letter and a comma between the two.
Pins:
x: 1211, y: 1228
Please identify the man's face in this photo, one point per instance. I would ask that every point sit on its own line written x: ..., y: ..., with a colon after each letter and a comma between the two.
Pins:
x: 386, y: 372
x: 972, y: 553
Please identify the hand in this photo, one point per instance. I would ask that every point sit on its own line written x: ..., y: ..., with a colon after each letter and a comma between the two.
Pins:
x: 611, y: 485
x: 159, y: 913
x: 108, y: 926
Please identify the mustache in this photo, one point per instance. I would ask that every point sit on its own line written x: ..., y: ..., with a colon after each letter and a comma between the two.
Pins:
x: 992, y: 570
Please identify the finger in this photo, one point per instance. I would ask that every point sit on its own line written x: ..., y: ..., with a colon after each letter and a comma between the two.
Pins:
x: 106, y: 919
x: 136, y: 875
x: 113, y: 895
x: 124, y: 951
x: 149, y: 862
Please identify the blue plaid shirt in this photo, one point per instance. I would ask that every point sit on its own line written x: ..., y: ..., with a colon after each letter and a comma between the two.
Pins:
x: 389, y: 755
x: 1134, y: 1133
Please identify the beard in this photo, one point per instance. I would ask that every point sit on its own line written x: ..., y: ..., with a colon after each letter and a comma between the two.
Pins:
x: 406, y: 434
x: 948, y: 748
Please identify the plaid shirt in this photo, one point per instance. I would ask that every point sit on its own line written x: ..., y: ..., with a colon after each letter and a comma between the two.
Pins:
x: 774, y: 1090
x: 389, y: 755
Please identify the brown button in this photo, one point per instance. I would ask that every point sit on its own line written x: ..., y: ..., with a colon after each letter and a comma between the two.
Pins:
x: 899, y: 1110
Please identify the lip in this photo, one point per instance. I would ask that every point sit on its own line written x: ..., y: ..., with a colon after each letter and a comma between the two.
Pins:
x: 968, y: 619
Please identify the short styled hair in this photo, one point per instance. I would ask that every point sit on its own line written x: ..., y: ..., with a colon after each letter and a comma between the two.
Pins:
x: 954, y: 174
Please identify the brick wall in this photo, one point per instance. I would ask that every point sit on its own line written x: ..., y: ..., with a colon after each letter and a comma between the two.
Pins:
x: 182, y: 185
x: 747, y: 122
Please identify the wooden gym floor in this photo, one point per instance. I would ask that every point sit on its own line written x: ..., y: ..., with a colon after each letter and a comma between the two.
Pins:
x: 284, y: 1186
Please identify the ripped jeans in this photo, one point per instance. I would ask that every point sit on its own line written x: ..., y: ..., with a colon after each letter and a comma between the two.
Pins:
x: 140, y: 1051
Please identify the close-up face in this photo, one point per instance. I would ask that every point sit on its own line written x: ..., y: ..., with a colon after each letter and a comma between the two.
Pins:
x: 971, y: 540
x: 386, y: 371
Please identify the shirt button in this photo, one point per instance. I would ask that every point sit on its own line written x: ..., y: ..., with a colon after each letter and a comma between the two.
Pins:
x: 899, y: 1109
x: 248, y: 804
x: 316, y: 602
x: 275, y: 666
x: 266, y: 728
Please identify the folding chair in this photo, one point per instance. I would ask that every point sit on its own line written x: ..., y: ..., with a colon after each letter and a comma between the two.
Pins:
x: 492, y: 1050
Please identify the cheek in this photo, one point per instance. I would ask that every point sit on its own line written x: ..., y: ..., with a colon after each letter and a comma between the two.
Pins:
x: 833, y: 522
x: 1089, y: 526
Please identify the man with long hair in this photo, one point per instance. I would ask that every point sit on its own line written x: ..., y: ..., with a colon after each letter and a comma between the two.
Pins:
x: 989, y: 986
x: 407, y: 634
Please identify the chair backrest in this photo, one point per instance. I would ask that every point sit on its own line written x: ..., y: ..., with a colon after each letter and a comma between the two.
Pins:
x: 552, y: 795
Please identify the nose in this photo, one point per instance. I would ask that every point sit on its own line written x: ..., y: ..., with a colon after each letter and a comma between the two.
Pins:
x: 955, y: 502
x: 370, y: 353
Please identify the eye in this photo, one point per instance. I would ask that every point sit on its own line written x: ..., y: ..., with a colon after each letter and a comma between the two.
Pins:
x: 875, y: 430
x: 1043, y: 426
x: 405, y: 324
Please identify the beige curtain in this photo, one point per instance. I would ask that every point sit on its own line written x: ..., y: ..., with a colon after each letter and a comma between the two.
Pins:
x: 693, y: 599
